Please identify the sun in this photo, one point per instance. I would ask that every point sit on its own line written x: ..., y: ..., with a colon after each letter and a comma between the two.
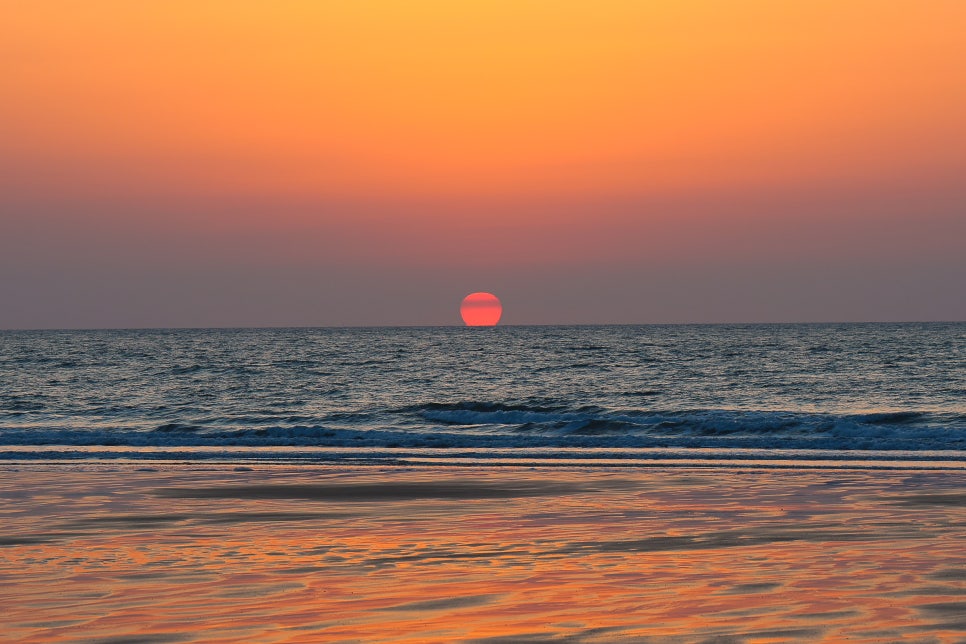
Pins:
x: 481, y: 309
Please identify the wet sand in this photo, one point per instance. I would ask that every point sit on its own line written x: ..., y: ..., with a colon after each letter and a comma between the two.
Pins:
x: 168, y: 553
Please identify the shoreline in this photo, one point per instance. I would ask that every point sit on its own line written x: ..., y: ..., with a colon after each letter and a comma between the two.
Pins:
x: 643, y: 458
x: 581, y: 464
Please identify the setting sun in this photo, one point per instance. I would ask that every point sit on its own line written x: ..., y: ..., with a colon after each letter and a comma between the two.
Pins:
x: 481, y: 309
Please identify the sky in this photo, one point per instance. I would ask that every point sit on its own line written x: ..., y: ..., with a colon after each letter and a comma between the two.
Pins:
x: 186, y: 163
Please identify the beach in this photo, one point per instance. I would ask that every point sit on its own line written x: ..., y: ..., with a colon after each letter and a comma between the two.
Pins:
x: 167, y: 552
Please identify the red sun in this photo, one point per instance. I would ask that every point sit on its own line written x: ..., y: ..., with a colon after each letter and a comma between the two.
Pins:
x: 481, y: 309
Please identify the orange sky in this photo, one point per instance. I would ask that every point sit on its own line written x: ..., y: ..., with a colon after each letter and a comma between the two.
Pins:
x: 504, y: 122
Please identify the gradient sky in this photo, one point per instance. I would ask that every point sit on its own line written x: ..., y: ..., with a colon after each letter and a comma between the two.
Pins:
x: 249, y: 163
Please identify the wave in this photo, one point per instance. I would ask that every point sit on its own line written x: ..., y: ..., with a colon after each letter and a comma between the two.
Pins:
x: 538, y: 424
x: 901, y: 426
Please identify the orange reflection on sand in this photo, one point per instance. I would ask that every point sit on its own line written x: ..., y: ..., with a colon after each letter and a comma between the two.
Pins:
x: 500, y: 554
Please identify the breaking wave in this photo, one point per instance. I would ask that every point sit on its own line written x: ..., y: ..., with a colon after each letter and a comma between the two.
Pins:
x: 499, y: 425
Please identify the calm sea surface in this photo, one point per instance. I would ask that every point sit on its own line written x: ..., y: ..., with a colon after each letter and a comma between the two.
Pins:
x: 786, y: 392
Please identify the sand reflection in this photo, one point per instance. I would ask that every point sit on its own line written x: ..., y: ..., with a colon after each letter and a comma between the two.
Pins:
x: 484, y: 555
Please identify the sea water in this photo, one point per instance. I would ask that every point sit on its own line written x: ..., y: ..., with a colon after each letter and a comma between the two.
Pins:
x: 784, y: 392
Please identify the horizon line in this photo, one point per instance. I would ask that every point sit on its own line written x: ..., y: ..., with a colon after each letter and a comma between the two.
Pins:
x: 463, y: 326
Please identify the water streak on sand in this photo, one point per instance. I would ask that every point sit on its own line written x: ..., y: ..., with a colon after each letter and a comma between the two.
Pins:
x: 321, y: 553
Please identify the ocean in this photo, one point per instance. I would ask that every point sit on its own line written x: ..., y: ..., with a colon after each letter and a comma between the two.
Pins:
x: 794, y: 393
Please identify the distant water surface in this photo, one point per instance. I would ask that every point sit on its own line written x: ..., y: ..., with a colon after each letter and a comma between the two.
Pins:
x: 795, y: 391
